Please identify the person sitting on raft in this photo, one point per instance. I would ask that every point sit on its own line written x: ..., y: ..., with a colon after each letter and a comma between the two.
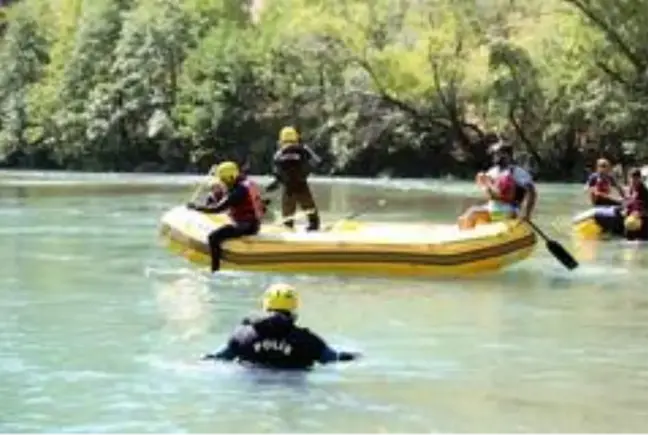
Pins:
x: 635, y: 207
x: 244, y: 204
x: 507, y: 186
x: 273, y: 340
x: 600, y: 183
x: 218, y: 190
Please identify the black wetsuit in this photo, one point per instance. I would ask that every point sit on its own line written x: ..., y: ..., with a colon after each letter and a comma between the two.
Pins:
x: 292, y: 166
x: 272, y: 340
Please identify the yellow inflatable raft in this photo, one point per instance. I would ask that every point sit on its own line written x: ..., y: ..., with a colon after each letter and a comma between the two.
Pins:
x: 598, y: 223
x: 353, y: 247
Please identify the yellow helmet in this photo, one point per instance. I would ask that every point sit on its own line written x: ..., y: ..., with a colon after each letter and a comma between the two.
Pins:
x: 280, y: 297
x: 288, y: 135
x: 227, y: 172
x: 632, y: 223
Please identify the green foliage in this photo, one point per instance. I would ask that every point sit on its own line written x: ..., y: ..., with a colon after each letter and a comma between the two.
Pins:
x: 23, y: 58
x: 390, y: 86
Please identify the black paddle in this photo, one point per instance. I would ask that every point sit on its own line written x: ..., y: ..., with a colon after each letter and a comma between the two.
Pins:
x: 556, y: 249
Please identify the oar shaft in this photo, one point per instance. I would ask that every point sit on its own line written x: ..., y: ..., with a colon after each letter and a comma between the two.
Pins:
x: 537, y: 230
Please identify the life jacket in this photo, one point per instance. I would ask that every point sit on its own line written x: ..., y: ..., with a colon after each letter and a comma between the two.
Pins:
x: 505, y: 186
x: 638, y: 197
x: 251, y: 208
x: 603, y: 184
x: 510, y: 192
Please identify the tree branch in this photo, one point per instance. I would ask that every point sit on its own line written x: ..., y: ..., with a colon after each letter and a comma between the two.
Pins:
x: 522, y: 135
x: 614, y: 75
x: 611, y: 34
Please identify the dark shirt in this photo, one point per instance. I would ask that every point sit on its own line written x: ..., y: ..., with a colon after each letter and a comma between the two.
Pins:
x: 273, y: 340
x: 292, y: 165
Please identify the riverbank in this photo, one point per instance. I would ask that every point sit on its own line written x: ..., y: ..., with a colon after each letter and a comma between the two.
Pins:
x: 161, y: 85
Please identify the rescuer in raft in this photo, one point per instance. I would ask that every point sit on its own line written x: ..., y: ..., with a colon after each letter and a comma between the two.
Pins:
x: 635, y: 208
x: 600, y: 183
x: 218, y: 190
x: 244, y: 204
x: 273, y: 340
x: 507, y: 186
x: 293, y: 162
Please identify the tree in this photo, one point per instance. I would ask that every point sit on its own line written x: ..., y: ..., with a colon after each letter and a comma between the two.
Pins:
x: 403, y: 87
x: 23, y: 57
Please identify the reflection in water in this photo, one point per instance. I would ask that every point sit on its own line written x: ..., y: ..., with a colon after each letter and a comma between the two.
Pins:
x: 586, y: 250
x: 185, y: 305
x: 628, y: 254
x: 634, y: 253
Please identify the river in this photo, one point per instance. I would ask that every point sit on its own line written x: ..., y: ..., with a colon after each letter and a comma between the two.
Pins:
x: 100, y: 329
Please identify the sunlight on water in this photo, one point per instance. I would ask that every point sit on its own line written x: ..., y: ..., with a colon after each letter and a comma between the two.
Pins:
x: 184, y: 304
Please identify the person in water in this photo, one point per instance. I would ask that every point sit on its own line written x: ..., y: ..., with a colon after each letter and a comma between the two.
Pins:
x: 507, y: 186
x: 293, y: 163
x: 600, y: 183
x: 243, y: 202
x: 273, y: 340
x: 635, y: 207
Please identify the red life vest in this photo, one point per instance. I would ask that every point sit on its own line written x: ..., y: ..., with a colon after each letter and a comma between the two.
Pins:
x: 603, y: 184
x: 637, y: 198
x: 506, y: 187
x: 250, y: 209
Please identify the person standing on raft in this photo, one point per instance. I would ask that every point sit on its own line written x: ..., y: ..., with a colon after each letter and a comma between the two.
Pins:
x: 600, y: 183
x: 273, y: 340
x: 292, y: 165
x: 244, y: 204
x: 507, y: 186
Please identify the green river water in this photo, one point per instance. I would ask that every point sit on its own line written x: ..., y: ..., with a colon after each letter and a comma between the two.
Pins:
x: 100, y: 329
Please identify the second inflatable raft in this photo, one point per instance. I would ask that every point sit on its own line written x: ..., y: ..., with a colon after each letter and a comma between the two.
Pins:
x: 606, y: 223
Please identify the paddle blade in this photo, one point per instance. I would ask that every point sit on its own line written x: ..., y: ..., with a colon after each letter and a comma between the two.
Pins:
x: 558, y: 251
